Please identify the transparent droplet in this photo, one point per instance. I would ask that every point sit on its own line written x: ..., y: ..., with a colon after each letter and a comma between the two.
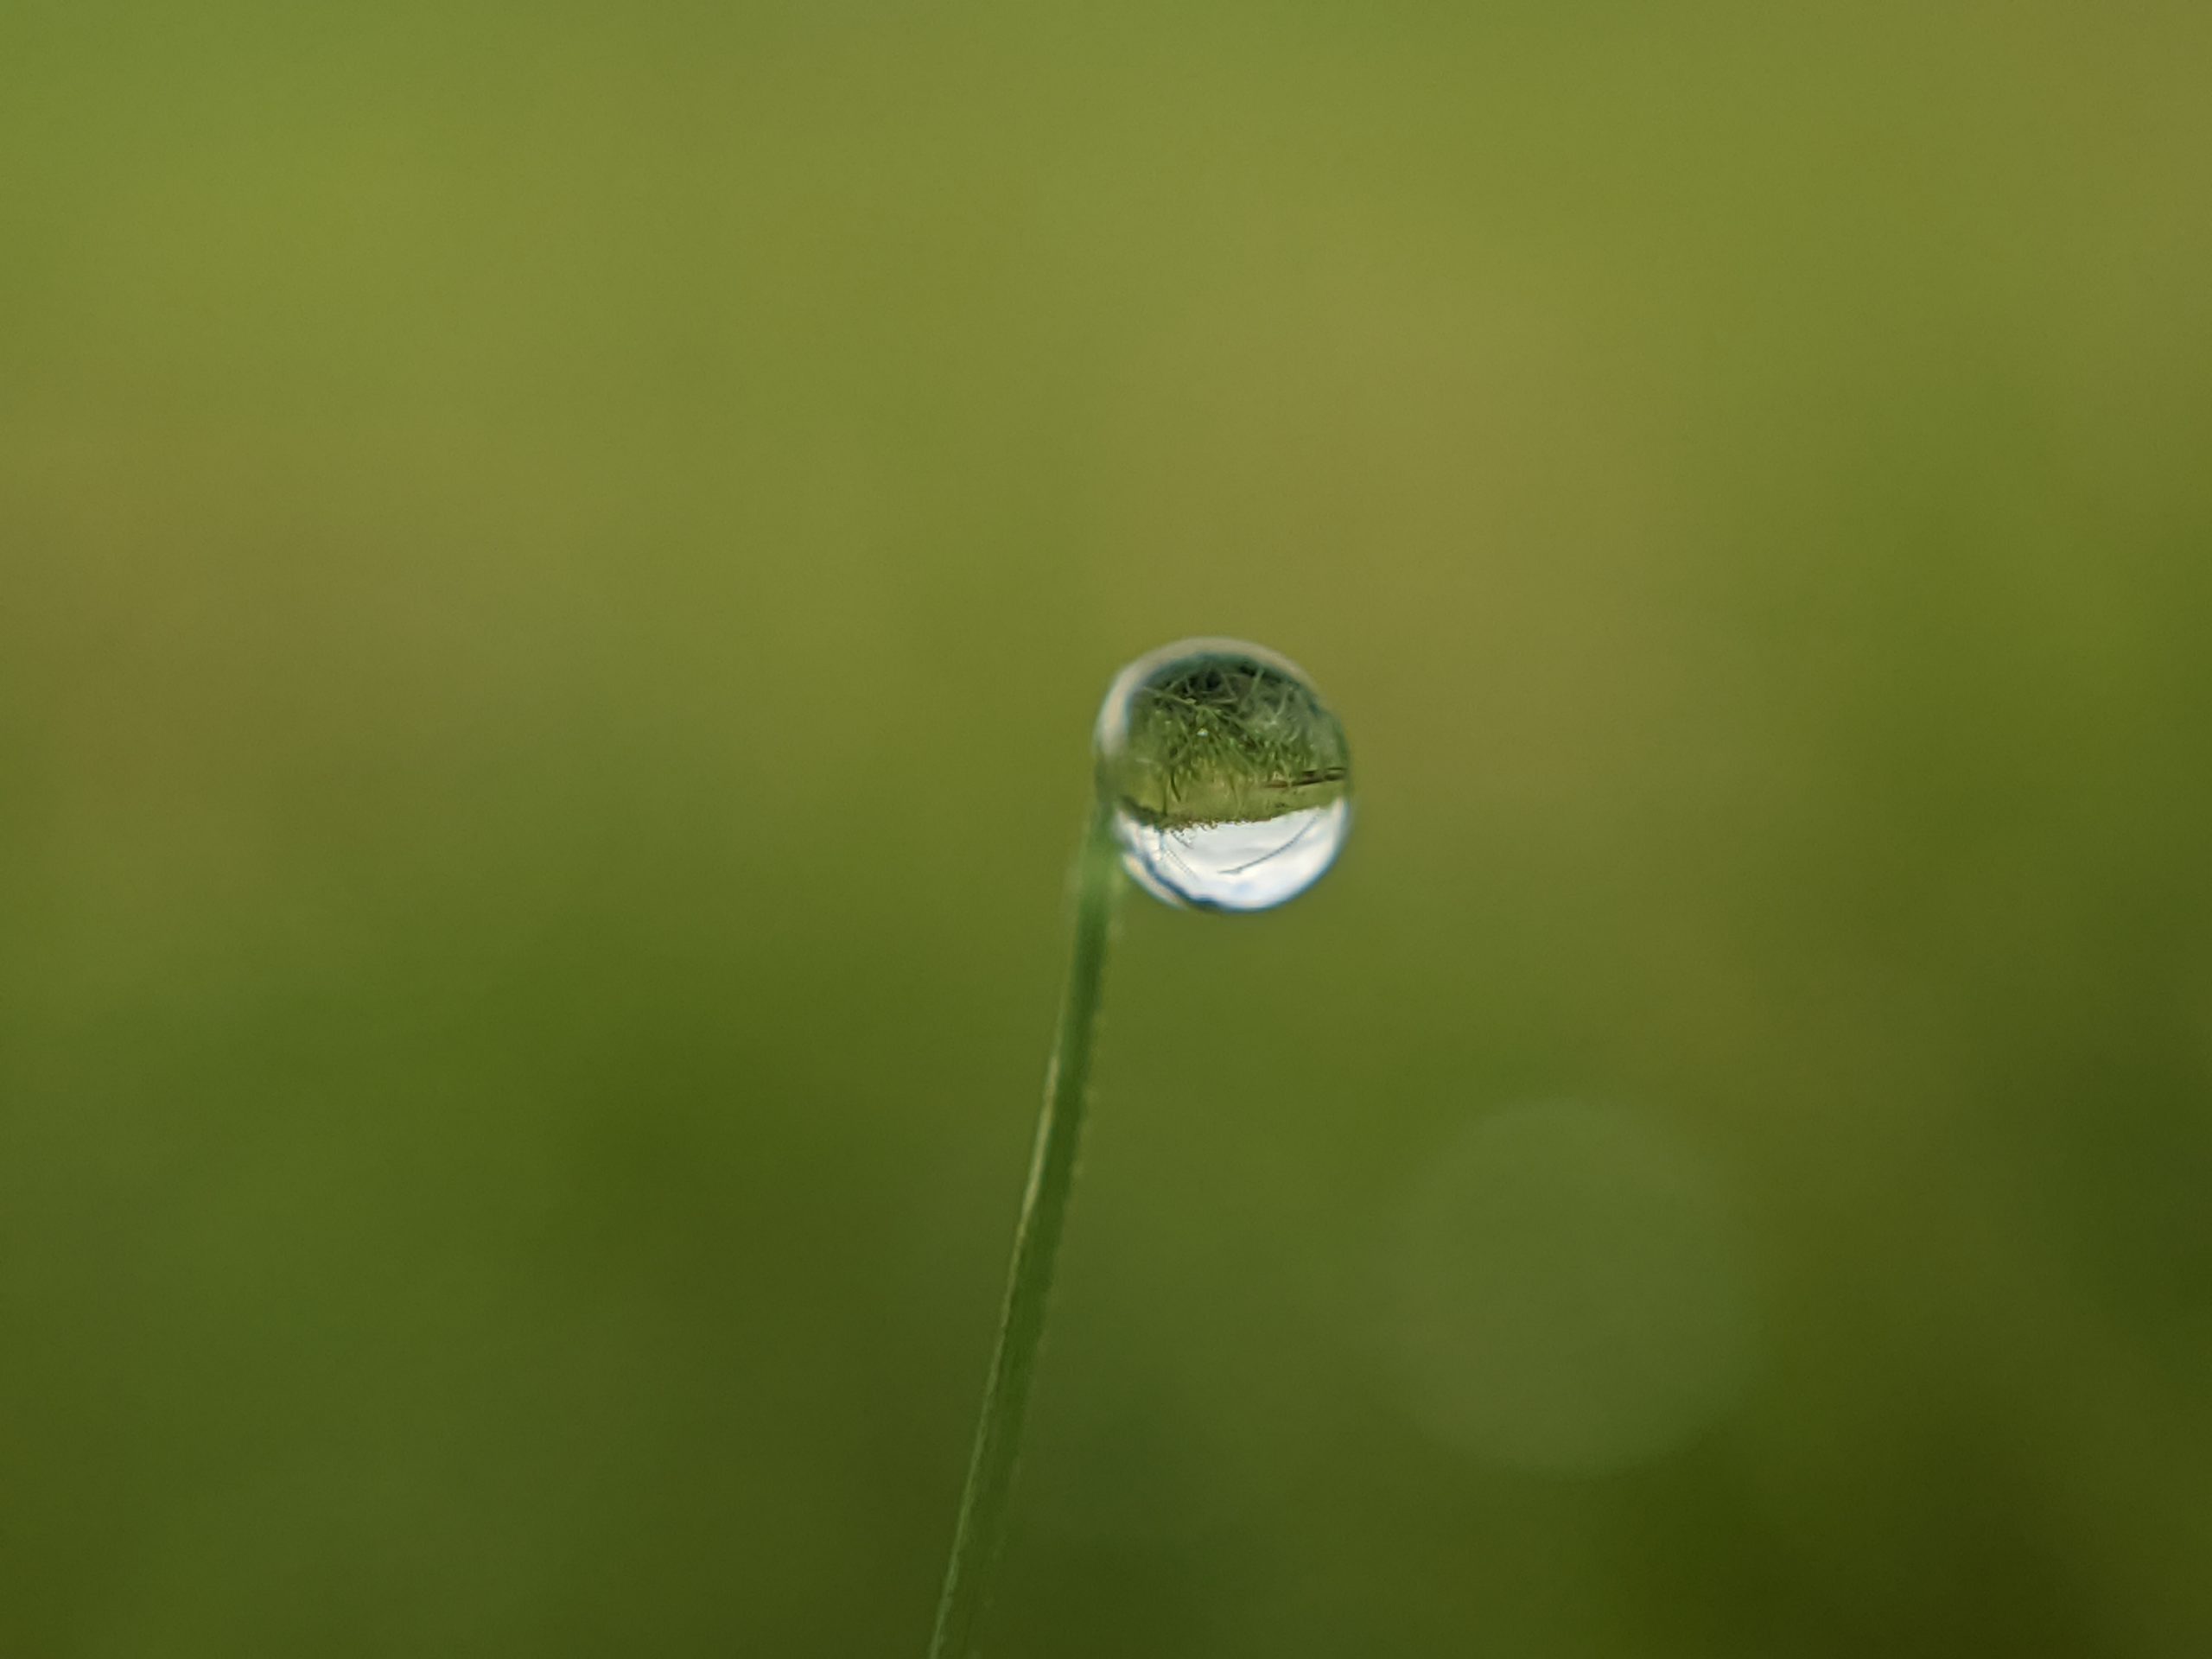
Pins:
x: 1230, y: 780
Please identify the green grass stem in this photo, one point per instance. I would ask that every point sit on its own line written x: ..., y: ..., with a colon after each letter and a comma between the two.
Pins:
x: 982, y: 1527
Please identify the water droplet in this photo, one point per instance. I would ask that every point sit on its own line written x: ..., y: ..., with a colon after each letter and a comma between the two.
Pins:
x: 1230, y: 780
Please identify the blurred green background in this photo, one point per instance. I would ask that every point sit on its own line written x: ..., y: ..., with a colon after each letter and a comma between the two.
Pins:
x: 556, y: 564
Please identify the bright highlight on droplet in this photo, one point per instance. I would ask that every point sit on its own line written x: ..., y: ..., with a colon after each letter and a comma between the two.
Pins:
x: 1230, y: 780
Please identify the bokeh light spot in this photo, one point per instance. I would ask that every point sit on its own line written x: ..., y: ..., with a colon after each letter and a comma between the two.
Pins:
x: 1572, y: 1293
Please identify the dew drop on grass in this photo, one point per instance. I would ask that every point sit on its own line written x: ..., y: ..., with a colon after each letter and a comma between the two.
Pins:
x: 1230, y: 780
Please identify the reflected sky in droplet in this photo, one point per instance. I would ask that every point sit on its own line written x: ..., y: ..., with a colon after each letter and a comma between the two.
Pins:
x: 1234, y: 865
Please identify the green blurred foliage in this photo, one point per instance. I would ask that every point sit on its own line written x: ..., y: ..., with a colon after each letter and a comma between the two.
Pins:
x: 555, y: 566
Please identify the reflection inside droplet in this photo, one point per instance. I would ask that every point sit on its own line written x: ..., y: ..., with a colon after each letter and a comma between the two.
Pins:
x: 1234, y: 865
x: 1230, y: 780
